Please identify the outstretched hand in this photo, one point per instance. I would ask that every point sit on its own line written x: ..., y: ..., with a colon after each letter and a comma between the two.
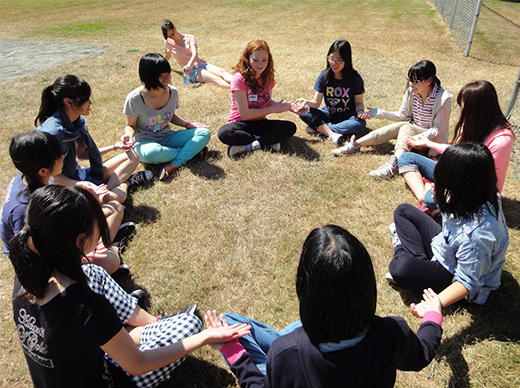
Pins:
x: 298, y: 106
x: 367, y: 115
x: 417, y: 141
x: 220, y: 332
x: 430, y: 302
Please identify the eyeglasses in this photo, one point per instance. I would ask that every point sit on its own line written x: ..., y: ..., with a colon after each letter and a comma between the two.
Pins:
x: 335, y: 61
x: 415, y: 81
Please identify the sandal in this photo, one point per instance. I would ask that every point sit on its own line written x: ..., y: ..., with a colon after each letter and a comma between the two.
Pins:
x: 167, y: 170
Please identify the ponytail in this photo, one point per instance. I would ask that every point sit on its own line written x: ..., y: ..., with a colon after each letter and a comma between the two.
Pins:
x: 47, y: 107
x: 56, y: 217
x: 32, y: 271
x: 65, y: 86
x: 32, y: 151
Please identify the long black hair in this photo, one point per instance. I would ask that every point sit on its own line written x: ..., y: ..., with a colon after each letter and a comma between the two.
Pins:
x: 465, y: 179
x: 336, y: 286
x: 31, y: 151
x: 65, y: 86
x: 345, y: 52
x: 56, y: 217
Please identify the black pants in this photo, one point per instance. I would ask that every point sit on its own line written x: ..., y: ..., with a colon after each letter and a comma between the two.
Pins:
x: 269, y: 132
x: 411, y: 266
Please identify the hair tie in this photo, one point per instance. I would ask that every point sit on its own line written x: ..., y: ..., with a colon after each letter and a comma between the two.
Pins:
x: 26, y: 228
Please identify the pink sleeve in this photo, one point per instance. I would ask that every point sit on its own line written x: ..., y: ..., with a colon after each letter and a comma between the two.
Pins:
x: 232, y: 351
x: 191, y: 41
x: 432, y: 316
x: 441, y: 148
x: 238, y: 83
x: 500, y: 143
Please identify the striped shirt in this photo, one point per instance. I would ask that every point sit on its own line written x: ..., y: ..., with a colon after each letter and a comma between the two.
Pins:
x: 422, y: 112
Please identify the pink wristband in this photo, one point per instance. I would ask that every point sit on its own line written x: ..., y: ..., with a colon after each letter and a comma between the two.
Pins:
x: 432, y: 316
x: 187, y: 124
x: 232, y: 350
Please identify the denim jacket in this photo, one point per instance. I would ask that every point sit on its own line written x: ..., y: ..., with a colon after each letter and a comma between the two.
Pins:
x: 473, y: 250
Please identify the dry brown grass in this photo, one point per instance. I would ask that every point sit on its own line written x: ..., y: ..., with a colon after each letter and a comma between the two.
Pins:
x: 227, y: 233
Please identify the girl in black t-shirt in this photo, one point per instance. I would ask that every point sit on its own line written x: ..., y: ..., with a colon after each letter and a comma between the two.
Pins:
x: 70, y: 335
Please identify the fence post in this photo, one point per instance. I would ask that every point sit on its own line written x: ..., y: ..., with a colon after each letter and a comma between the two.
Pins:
x: 473, y: 28
x: 513, y: 96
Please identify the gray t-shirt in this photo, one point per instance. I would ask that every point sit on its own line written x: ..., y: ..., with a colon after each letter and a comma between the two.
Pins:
x: 152, y: 124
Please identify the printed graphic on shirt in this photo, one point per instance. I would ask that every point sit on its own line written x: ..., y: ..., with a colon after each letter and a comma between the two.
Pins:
x: 31, y: 337
x: 258, y: 101
x: 336, y: 99
x: 157, y: 123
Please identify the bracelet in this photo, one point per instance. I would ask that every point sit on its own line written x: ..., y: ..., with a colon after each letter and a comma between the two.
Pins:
x: 113, y: 145
x: 187, y: 124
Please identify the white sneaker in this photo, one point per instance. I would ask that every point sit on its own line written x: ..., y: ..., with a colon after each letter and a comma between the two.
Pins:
x: 237, y: 149
x: 276, y: 147
x: 336, y: 138
x: 389, y: 278
x: 387, y: 170
x: 348, y: 149
x: 311, y: 131
x: 393, y: 235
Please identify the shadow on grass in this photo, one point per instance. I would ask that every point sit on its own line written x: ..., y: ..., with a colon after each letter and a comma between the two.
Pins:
x: 511, y: 208
x: 193, y: 85
x: 496, y: 320
x: 205, y: 169
x: 299, y: 146
x: 197, y: 373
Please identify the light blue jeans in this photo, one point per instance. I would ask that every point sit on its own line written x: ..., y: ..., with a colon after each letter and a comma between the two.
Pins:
x: 178, y: 147
x: 257, y: 343
x: 412, y: 162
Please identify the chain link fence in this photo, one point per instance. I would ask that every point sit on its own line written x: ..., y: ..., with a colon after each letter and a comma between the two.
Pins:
x: 513, y: 115
x: 461, y: 16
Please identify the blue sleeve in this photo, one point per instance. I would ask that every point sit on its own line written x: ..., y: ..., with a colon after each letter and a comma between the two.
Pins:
x: 319, y: 86
x: 358, y: 85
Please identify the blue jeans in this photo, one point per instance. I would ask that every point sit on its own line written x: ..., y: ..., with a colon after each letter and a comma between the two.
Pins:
x: 178, y: 147
x: 412, y: 162
x: 257, y: 343
x: 316, y: 117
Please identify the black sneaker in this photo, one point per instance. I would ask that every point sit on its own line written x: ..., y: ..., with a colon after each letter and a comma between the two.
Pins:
x: 189, y: 309
x: 140, y: 178
x: 139, y: 295
x: 123, y: 235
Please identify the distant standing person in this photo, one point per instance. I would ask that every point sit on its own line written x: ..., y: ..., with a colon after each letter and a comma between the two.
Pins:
x: 186, y: 52
x: 343, y: 89
x: 248, y: 128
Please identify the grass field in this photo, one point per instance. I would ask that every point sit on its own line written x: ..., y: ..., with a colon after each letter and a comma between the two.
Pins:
x: 227, y: 233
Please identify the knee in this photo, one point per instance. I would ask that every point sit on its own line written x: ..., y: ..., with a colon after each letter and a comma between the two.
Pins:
x: 224, y: 134
x: 203, y: 134
x: 407, y: 163
x: 402, y: 211
x: 132, y: 157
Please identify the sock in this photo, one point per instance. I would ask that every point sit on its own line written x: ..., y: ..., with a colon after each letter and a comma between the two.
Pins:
x: 254, y: 146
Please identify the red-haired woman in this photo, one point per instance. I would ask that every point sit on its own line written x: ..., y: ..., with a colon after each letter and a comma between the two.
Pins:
x: 247, y: 128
